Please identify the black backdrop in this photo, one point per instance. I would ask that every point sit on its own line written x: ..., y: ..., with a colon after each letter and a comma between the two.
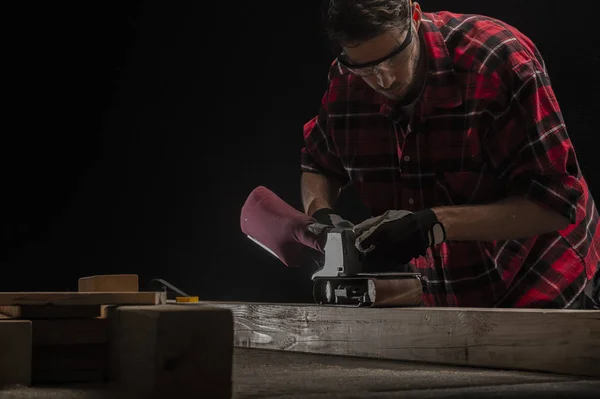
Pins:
x: 135, y: 131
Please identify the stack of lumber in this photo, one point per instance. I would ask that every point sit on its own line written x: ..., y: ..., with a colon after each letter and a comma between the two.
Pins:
x: 110, y: 332
x: 61, y: 337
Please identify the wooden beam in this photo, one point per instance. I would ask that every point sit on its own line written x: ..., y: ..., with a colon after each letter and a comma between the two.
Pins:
x: 15, y: 352
x: 557, y: 341
x: 81, y: 298
x: 171, y: 351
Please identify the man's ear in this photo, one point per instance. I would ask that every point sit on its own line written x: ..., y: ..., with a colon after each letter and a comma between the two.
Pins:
x: 417, y: 14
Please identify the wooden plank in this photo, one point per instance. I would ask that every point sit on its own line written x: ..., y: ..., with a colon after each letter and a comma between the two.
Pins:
x: 557, y: 341
x: 109, y: 283
x: 51, y: 311
x: 15, y: 352
x: 171, y: 351
x: 82, y: 298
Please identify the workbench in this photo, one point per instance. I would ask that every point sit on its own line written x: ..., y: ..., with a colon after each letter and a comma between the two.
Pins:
x: 98, y: 343
x: 259, y: 374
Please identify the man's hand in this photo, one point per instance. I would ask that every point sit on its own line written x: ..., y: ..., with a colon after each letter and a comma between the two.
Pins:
x: 326, y: 217
x: 399, y: 235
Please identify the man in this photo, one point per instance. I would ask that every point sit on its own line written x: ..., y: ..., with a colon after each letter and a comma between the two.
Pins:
x: 452, y: 120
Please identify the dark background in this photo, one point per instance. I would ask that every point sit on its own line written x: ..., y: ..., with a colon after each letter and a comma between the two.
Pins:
x: 133, y: 132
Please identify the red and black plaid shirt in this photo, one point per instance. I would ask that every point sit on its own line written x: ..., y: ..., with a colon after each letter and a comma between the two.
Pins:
x: 488, y: 126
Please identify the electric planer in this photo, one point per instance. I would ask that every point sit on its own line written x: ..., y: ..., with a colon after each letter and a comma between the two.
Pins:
x: 345, y: 276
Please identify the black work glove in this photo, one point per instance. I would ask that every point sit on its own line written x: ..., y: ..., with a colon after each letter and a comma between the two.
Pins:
x: 399, y: 235
x: 323, y: 216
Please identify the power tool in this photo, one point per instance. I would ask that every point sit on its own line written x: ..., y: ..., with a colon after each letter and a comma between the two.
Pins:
x: 344, y: 279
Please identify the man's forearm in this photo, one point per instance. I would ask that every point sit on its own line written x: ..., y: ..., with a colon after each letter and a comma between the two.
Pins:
x: 318, y: 191
x: 513, y: 218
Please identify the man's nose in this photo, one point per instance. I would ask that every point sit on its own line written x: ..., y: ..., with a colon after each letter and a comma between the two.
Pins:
x: 384, y: 78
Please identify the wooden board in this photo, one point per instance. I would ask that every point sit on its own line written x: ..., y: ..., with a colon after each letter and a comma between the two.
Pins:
x: 51, y: 311
x: 82, y: 298
x: 109, y: 283
x: 559, y: 341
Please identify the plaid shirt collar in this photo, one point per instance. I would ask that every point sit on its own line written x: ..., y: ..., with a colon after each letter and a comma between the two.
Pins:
x: 442, y: 90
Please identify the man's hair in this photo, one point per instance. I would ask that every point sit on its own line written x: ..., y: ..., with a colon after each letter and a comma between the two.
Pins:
x: 356, y: 21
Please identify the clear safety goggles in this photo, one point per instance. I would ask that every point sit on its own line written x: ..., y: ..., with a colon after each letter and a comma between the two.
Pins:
x: 383, y: 64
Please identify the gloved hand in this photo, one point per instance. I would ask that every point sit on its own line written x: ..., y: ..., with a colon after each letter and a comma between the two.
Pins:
x: 328, y: 217
x: 399, y: 235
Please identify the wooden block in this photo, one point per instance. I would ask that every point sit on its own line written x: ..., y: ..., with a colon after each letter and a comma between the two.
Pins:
x: 15, y: 352
x: 171, y: 350
x: 109, y: 283
x: 556, y: 341
x: 51, y: 311
x: 69, y: 331
x: 82, y: 298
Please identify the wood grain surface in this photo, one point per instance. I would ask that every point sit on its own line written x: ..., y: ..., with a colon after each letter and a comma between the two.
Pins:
x: 559, y: 341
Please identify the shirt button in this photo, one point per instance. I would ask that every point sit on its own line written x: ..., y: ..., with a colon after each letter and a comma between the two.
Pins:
x: 406, y: 158
x: 411, y: 201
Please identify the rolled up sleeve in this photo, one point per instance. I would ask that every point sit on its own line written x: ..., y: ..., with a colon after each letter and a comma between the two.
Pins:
x: 529, y: 146
x: 319, y: 154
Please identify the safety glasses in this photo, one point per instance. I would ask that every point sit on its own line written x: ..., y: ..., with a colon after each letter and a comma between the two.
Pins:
x: 384, y: 63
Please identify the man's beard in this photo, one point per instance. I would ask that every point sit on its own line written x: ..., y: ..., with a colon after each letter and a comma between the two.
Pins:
x: 415, y: 87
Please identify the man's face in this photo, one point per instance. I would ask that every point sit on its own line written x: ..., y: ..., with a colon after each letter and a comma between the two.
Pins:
x: 394, y: 76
